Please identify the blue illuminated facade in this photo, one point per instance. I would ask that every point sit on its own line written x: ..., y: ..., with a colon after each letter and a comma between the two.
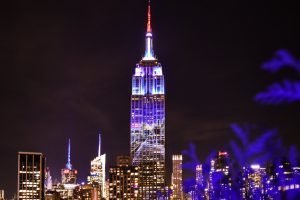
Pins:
x: 147, y: 124
x: 277, y: 180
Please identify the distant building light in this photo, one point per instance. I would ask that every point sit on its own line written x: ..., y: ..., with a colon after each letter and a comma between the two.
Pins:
x: 224, y: 153
x: 255, y: 166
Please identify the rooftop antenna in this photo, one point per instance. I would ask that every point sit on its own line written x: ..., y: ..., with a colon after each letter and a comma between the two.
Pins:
x: 149, y: 29
x: 149, y: 53
x: 99, y: 147
x: 69, y: 165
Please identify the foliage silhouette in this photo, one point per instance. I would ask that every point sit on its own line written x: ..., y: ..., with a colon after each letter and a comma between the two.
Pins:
x: 287, y: 91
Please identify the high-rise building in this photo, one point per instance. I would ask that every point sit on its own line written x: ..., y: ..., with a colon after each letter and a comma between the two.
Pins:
x: 123, y: 180
x: 48, y: 179
x: 220, y: 177
x: 31, y: 175
x: 52, y: 195
x: 97, y: 173
x: 200, y: 186
x: 2, y: 195
x: 199, y: 176
x: 177, y: 177
x: 87, y: 192
x: 253, y: 180
x: 68, y: 174
x: 147, y: 124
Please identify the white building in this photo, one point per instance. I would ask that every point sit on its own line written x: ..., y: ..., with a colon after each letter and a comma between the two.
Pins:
x: 97, y: 173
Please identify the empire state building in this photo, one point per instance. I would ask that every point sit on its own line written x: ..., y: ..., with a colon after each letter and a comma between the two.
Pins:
x: 147, y: 124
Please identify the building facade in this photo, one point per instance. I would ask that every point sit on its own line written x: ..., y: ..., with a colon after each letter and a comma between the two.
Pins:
x: 31, y: 175
x: 68, y: 174
x: 87, y: 192
x: 220, y: 177
x: 253, y: 182
x: 48, y: 179
x: 147, y: 124
x: 2, y: 195
x: 97, y: 173
x: 177, y: 177
x: 123, y: 180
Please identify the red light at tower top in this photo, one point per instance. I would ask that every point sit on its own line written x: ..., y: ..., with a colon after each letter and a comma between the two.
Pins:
x: 67, y: 171
x: 149, y: 29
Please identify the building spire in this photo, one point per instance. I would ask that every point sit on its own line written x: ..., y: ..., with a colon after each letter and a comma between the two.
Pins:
x: 99, y: 147
x: 149, y: 29
x: 69, y: 165
x: 149, y: 53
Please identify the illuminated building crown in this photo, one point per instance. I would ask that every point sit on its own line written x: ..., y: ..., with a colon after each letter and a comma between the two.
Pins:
x: 149, y: 53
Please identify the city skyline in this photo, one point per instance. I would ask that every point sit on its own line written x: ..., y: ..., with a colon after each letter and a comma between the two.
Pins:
x: 62, y: 85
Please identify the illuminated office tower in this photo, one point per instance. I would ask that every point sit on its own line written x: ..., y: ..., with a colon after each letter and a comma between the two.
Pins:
x: 31, y: 175
x: 147, y: 120
x: 48, y: 179
x: 123, y: 180
x: 286, y: 176
x: 177, y: 177
x: 199, y: 187
x: 253, y: 180
x: 199, y: 176
x: 2, y: 195
x: 68, y: 174
x: 97, y: 173
x: 220, y: 177
x: 87, y: 192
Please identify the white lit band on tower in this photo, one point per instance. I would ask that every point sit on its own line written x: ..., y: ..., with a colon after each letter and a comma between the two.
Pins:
x: 147, y: 139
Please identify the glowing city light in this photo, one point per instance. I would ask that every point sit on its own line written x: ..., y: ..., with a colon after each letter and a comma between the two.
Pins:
x: 255, y: 166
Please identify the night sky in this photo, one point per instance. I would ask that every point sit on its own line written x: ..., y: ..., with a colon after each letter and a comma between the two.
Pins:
x: 66, y: 70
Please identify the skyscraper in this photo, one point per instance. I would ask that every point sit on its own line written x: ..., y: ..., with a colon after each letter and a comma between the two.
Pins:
x: 253, y: 180
x: 48, y: 179
x: 177, y: 177
x: 220, y: 176
x: 97, y: 173
x: 31, y: 175
x: 147, y: 125
x: 68, y: 174
x: 2, y: 195
x: 199, y: 188
x: 123, y: 180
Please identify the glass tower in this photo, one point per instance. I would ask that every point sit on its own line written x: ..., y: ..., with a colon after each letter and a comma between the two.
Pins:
x: 147, y: 124
x: 97, y: 174
x: 177, y: 177
x: 31, y: 175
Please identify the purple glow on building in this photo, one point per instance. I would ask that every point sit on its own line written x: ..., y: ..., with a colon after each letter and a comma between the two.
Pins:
x: 147, y: 120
